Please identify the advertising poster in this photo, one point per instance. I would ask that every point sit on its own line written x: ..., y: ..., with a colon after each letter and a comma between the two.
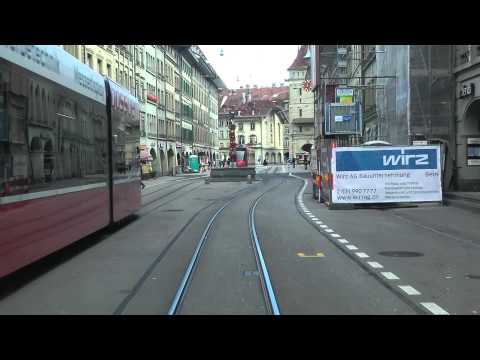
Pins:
x: 386, y: 174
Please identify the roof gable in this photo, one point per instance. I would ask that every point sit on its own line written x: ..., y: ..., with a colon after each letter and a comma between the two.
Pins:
x: 300, y: 63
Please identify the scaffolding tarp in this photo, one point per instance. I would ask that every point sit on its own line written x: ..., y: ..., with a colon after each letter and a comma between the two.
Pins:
x: 417, y: 101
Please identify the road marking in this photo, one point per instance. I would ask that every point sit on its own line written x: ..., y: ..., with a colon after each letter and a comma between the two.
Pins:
x: 318, y: 222
x: 343, y: 241
x: 335, y: 235
x: 329, y: 230
x: 434, y: 308
x: 390, y: 276
x: 362, y: 255
x: 310, y: 215
x: 409, y: 290
x: 314, y: 218
x: 375, y: 265
x: 323, y: 226
x: 319, y: 254
x: 351, y: 247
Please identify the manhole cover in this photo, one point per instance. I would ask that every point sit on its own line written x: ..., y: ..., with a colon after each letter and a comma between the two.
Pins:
x: 173, y: 210
x: 400, y: 253
x: 472, y: 276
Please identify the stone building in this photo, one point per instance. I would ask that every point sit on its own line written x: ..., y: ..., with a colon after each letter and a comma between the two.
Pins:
x: 170, y: 82
x: 260, y: 120
x: 300, y: 110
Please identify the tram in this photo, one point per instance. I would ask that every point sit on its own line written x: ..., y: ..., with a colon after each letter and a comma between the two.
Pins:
x: 69, y: 153
x: 241, y: 156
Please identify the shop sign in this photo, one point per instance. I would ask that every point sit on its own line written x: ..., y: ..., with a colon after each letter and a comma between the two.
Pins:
x: 467, y: 90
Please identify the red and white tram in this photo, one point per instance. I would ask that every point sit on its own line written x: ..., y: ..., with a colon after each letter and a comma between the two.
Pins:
x: 69, y: 162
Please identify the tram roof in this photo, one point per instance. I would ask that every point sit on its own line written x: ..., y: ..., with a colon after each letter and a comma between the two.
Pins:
x: 57, y: 65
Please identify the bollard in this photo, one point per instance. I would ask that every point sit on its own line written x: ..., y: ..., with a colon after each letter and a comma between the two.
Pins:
x: 249, y: 179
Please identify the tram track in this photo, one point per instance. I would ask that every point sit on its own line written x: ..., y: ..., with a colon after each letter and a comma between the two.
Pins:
x: 267, y: 288
x: 136, y: 288
x: 145, y: 211
x: 75, y: 248
x: 182, y: 186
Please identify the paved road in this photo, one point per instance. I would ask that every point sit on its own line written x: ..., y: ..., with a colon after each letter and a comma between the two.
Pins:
x: 137, y: 268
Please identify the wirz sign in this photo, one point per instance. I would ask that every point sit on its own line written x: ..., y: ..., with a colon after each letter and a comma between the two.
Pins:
x: 395, y: 174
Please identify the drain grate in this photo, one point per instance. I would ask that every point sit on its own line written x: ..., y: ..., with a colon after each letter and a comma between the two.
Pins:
x: 401, y: 253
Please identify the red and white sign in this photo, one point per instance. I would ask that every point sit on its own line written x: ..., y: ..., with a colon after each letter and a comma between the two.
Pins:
x: 307, y: 85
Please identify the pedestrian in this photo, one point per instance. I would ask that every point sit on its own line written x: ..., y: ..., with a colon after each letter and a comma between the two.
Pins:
x: 228, y: 162
x: 265, y: 162
x: 293, y: 162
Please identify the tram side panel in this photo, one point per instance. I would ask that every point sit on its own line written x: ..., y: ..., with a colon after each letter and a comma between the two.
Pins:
x: 53, y: 154
x: 126, y: 174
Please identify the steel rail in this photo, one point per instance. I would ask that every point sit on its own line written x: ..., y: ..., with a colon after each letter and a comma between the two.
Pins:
x: 167, y: 185
x: 267, y: 287
x: 179, y: 295
x: 265, y: 279
x: 120, y: 308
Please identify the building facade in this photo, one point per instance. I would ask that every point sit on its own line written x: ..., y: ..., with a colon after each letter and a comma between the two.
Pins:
x: 170, y: 82
x: 407, y: 97
x: 467, y: 117
x: 301, y: 108
x: 260, y: 120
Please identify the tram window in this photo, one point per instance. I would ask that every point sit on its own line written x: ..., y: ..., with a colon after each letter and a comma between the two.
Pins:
x: 57, y: 138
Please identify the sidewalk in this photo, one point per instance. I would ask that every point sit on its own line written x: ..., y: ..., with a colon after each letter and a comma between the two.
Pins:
x: 463, y: 199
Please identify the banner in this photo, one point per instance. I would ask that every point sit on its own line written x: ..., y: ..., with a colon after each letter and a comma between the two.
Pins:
x: 386, y: 174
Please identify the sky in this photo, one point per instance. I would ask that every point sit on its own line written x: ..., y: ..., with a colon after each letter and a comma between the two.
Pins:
x: 260, y: 65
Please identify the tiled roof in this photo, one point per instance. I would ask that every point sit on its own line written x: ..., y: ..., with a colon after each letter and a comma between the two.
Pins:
x: 258, y: 100
x: 300, y: 63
